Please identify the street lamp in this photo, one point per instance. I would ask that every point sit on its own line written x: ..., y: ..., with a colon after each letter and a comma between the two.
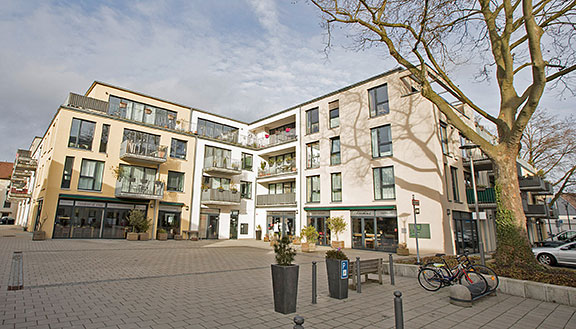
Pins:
x: 568, y: 215
x: 468, y: 148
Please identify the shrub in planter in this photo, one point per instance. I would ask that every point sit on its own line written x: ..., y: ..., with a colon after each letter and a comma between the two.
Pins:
x: 162, y: 235
x: 311, y: 235
x: 140, y: 224
x: 402, y: 249
x: 337, y: 287
x: 337, y: 225
x: 132, y: 236
x: 285, y: 277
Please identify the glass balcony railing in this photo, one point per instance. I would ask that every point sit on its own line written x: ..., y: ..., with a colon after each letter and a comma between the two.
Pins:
x: 222, y: 164
x: 278, y: 169
x: 220, y: 196
x: 130, y: 187
x: 277, y: 138
x: 276, y: 199
x: 147, y: 152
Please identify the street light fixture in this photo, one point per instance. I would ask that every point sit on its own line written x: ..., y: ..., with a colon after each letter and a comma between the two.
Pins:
x: 469, y: 148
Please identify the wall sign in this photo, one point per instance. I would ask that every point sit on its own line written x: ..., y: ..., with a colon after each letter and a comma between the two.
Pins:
x: 423, y: 231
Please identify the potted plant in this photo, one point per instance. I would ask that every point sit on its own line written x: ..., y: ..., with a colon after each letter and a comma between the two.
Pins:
x: 266, y: 238
x: 296, y: 240
x: 162, y: 235
x: 39, y: 235
x: 234, y: 188
x: 258, y: 232
x: 337, y: 286
x: 402, y: 249
x: 205, y: 187
x: 220, y: 188
x: 309, y: 232
x: 285, y: 277
x: 118, y: 172
x: 140, y: 225
x: 337, y: 225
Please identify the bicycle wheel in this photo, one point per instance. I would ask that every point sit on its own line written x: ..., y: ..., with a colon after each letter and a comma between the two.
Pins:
x: 430, y: 279
x: 474, y: 281
x: 488, y: 274
x: 440, y: 267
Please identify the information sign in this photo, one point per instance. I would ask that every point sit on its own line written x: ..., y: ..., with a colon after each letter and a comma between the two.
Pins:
x: 344, y: 269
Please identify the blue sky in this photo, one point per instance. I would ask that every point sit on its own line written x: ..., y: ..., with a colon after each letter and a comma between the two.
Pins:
x: 240, y: 58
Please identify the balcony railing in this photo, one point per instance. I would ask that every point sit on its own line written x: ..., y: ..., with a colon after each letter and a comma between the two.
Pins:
x: 484, y: 196
x: 79, y: 101
x: 217, y: 196
x: 532, y: 183
x: 222, y: 165
x: 18, y: 193
x: 143, y: 152
x: 276, y: 199
x: 286, y: 168
x: 24, y: 161
x: 139, y: 189
x: 278, y: 138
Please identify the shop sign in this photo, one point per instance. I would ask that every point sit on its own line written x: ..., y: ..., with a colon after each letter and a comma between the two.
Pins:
x: 90, y: 204
x: 66, y: 202
x: 170, y: 208
x: 385, y: 213
x: 319, y: 213
x: 209, y: 211
x: 120, y: 206
x: 344, y: 269
x: 362, y: 213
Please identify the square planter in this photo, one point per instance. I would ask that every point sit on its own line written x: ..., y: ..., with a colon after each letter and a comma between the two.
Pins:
x: 308, y: 247
x: 132, y: 236
x: 144, y: 236
x: 337, y: 287
x: 162, y: 236
x: 402, y: 251
x: 258, y: 235
x: 38, y: 236
x: 178, y: 237
x: 285, y: 286
x: 337, y: 244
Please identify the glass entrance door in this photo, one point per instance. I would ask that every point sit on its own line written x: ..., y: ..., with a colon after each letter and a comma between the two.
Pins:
x: 281, y: 224
x: 357, y: 233
x: 170, y: 222
x: 212, y: 227
x: 234, y: 224
x: 466, y: 231
x: 375, y: 233
x: 386, y: 234
x: 321, y: 226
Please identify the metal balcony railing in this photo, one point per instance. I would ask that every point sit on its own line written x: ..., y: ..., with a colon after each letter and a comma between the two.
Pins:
x: 276, y: 199
x: 484, y: 196
x: 132, y: 150
x: 139, y: 189
x: 219, y: 196
x: 24, y: 161
x: 79, y: 101
x: 532, y: 183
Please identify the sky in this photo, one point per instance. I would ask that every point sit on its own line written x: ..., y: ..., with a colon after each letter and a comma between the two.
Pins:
x: 244, y: 59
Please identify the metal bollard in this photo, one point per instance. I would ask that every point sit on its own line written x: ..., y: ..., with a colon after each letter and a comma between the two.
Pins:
x: 314, y: 284
x: 391, y: 265
x: 299, y: 321
x: 358, y: 277
x: 398, y: 312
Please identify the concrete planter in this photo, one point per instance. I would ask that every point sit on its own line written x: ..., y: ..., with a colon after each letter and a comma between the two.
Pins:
x: 38, y: 236
x: 258, y: 235
x: 285, y: 286
x: 402, y: 251
x: 178, y: 237
x: 337, y: 244
x: 162, y: 236
x: 144, y: 236
x: 337, y: 287
x: 308, y: 247
x: 132, y: 236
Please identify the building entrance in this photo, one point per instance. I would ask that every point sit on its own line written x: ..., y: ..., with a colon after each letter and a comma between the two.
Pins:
x: 170, y: 222
x: 281, y: 223
x: 466, y: 232
x: 209, y: 220
x: 375, y: 230
x: 320, y: 222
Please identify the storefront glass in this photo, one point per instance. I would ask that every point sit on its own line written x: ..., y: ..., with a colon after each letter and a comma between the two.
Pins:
x: 375, y: 230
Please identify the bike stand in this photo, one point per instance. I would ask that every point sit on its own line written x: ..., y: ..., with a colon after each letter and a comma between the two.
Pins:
x: 464, y: 295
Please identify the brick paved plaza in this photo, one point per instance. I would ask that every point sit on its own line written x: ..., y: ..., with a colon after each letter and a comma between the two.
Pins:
x: 222, y: 284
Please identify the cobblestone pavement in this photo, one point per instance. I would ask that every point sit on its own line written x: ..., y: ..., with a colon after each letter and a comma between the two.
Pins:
x: 224, y: 284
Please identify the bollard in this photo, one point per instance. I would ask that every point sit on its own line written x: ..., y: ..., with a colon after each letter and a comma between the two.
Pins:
x: 299, y: 321
x: 398, y: 313
x: 358, y: 277
x: 391, y: 265
x: 314, y: 279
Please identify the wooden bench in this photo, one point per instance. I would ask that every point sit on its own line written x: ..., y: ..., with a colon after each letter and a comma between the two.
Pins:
x: 367, y: 266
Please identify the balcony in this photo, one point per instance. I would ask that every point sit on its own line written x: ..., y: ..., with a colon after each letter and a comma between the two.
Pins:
x: 485, y: 196
x: 19, y: 193
x: 481, y: 161
x: 276, y: 170
x: 220, y: 197
x: 139, y: 189
x: 222, y: 165
x: 278, y: 138
x: 132, y: 151
x: 539, y: 211
x: 535, y: 184
x: 24, y: 161
x: 83, y: 102
x: 276, y: 199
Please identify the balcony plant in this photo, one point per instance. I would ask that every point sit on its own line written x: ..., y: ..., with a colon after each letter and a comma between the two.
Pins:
x: 205, y: 187
x: 309, y: 232
x: 285, y: 277
x: 234, y: 188
x: 337, y: 225
x: 140, y: 225
x: 220, y: 188
x: 337, y: 287
x: 258, y: 232
x: 162, y: 235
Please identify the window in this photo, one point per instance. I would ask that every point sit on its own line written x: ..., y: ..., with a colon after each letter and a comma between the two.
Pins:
x: 454, y: 174
x: 244, y: 228
x: 141, y: 112
x: 313, y: 155
x: 81, y: 134
x: 282, y: 188
x: 247, y: 161
x: 335, y: 151
x: 336, y: 187
x: 284, y: 163
x: 313, y: 189
x: 217, y: 157
x: 217, y: 130
x: 178, y: 149
x: 246, y: 190
x: 444, y: 138
x: 91, y: 175
x: 378, y: 98
x: 384, y: 183
x: 138, y: 142
x: 312, y: 122
x: 381, y: 142
x: 67, y: 175
x: 175, y: 181
x: 333, y: 107
x: 104, y: 138
x: 463, y: 141
x: 217, y: 183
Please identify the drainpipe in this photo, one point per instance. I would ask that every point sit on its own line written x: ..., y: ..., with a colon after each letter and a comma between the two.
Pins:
x: 193, y: 176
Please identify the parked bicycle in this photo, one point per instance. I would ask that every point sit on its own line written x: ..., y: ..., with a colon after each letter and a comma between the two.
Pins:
x: 480, y: 279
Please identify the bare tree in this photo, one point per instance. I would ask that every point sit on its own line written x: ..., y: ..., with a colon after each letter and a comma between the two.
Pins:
x: 549, y: 144
x: 429, y: 37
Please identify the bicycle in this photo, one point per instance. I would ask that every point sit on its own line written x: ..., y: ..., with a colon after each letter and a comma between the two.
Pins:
x: 441, y: 275
x: 488, y: 273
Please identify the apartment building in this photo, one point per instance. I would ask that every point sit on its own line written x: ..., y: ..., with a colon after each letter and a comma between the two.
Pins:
x: 364, y: 152
x: 566, y: 206
x: 7, y: 208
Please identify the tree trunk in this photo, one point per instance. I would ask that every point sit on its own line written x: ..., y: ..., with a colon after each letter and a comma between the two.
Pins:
x: 506, y: 173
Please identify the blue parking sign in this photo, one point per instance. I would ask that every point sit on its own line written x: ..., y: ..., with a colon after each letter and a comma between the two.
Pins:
x: 344, y: 269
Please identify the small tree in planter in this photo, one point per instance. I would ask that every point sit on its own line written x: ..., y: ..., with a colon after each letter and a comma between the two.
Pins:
x: 337, y: 287
x: 162, y: 235
x: 337, y: 225
x: 140, y: 225
x: 311, y: 235
x: 285, y: 277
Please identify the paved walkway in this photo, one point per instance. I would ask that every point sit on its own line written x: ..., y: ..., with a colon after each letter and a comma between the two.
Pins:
x: 223, y: 284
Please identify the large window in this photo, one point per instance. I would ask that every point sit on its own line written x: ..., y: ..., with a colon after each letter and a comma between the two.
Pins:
x: 334, y: 109
x: 217, y: 157
x: 313, y: 189
x: 81, y: 134
x: 313, y: 155
x: 217, y: 130
x: 247, y: 161
x: 336, y: 187
x: 335, y: 151
x: 454, y: 175
x: 216, y: 183
x: 175, y: 181
x: 312, y: 121
x: 91, y: 175
x: 104, y: 138
x: 378, y: 98
x: 136, y: 179
x: 178, y: 148
x: 141, y: 112
x: 67, y: 174
x: 381, y: 141
x: 384, y: 183
x: 246, y: 190
x: 142, y: 143
x: 444, y: 138
x: 282, y: 188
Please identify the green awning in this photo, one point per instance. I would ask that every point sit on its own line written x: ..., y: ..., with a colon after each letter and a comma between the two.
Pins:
x: 351, y: 208
x: 177, y: 204
x: 98, y: 198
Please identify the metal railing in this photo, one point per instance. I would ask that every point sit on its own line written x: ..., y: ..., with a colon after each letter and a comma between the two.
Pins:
x: 532, y: 183
x: 275, y: 199
x: 139, y: 149
x: 139, y: 188
x: 218, y: 195
x: 484, y: 195
x: 75, y: 100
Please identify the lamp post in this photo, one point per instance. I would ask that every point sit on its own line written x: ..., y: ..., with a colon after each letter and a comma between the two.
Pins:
x: 568, y: 216
x: 468, y: 148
